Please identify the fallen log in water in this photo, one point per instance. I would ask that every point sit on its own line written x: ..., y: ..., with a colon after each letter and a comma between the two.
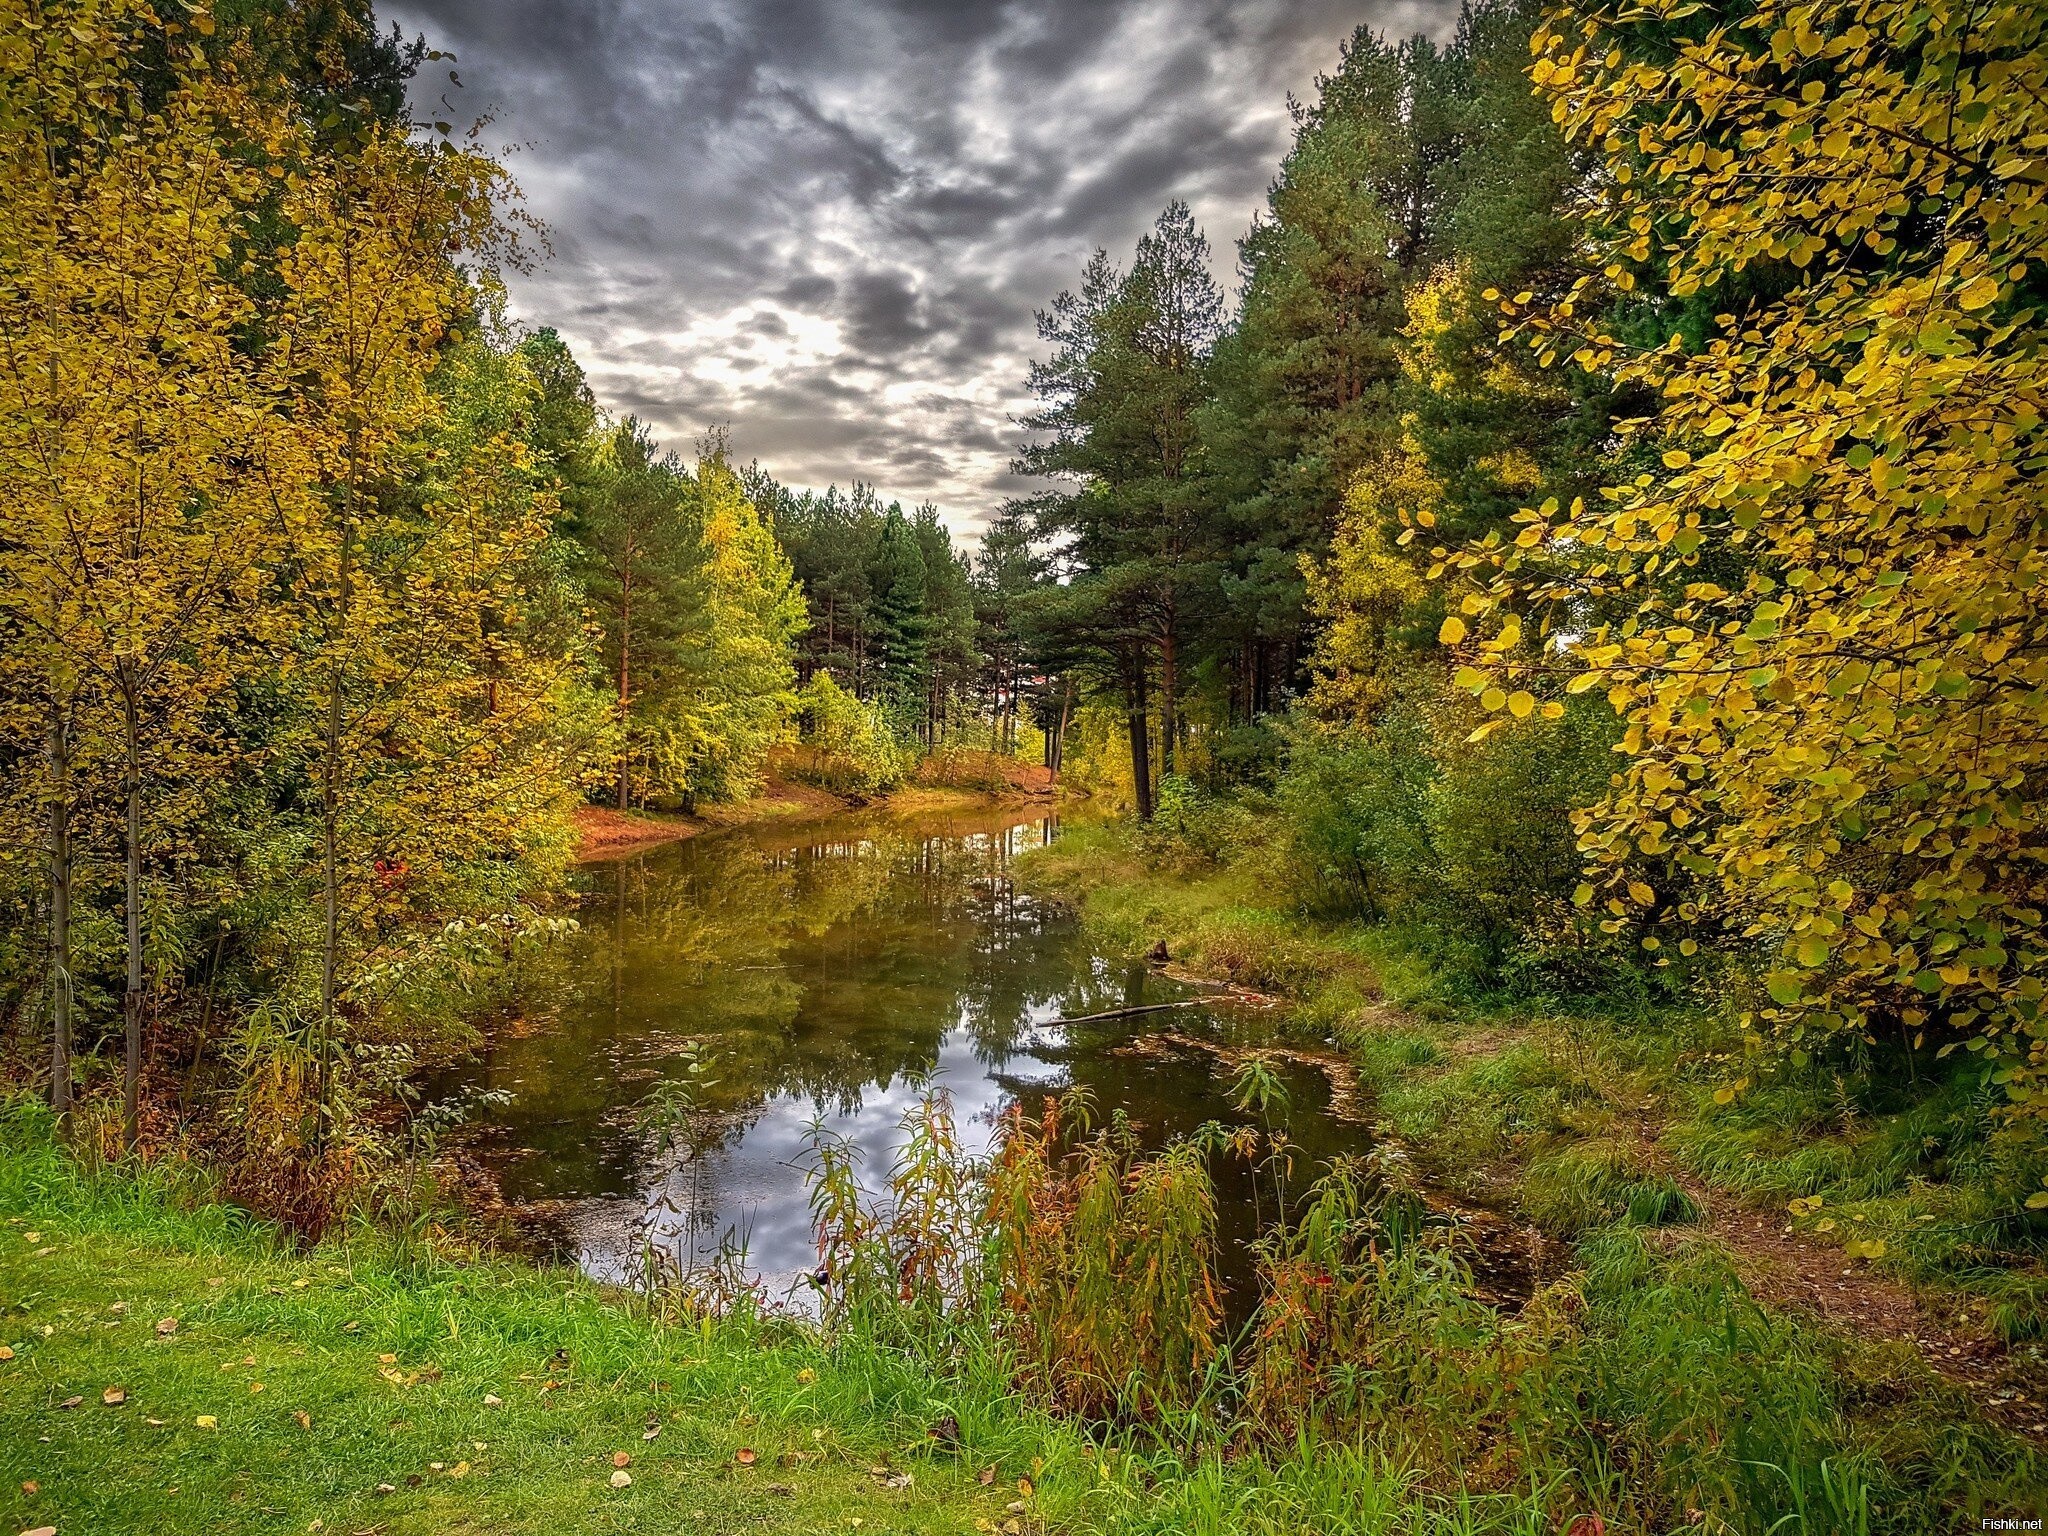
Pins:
x: 1126, y: 1013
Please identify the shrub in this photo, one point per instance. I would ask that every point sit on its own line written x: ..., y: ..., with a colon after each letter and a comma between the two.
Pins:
x: 847, y: 745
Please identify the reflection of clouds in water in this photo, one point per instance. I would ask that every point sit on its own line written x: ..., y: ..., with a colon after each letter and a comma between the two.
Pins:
x: 754, y: 1192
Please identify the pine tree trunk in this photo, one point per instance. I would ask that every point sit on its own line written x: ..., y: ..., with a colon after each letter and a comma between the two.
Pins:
x: 1059, y: 736
x: 131, y: 998
x: 1141, y: 737
x: 60, y: 913
x: 625, y: 684
x: 1169, y: 698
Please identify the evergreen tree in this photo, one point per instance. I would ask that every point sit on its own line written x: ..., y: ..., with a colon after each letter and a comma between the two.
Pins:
x: 1122, y: 392
x: 901, y: 628
x: 1306, y: 375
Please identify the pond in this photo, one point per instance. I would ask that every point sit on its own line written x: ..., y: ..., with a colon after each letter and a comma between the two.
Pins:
x: 817, y: 974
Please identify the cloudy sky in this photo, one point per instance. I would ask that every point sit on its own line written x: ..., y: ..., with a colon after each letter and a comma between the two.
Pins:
x: 827, y: 223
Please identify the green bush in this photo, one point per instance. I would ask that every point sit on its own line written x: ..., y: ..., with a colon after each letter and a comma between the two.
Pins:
x: 1469, y: 846
x: 848, y: 746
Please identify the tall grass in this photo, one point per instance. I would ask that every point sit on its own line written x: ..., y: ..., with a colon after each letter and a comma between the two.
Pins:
x: 1105, y: 1263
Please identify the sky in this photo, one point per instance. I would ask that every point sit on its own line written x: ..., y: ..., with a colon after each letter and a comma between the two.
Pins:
x: 827, y: 224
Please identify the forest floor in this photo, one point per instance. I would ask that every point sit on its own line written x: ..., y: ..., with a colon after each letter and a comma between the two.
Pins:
x: 1562, y: 1123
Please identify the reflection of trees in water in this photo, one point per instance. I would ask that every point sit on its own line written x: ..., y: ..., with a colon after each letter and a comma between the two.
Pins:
x: 824, y: 968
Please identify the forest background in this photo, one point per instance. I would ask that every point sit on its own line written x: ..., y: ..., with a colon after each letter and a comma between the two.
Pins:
x: 1600, y: 544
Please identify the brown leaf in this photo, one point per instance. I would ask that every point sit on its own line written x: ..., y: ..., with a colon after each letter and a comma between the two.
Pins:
x: 986, y: 1477
x: 166, y: 1326
x: 745, y: 1456
x: 31, y: 1487
x: 114, y: 1397
x: 303, y: 1419
x: 1024, y: 1486
x: 71, y: 1402
x: 6, y: 1352
x: 621, y: 1459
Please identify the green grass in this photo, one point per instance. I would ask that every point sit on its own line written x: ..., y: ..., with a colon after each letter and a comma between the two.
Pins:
x: 1572, y: 1111
x: 393, y: 1365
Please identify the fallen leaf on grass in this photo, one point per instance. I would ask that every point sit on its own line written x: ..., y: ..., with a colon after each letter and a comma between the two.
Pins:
x: 621, y: 1459
x: 166, y: 1326
x: 156, y: 1423
x: 303, y: 1419
x: 622, y: 1479
x: 460, y: 1469
x: 255, y: 1386
x: 207, y: 1421
x: 6, y: 1352
x: 71, y: 1402
x: 1024, y: 1486
x: 31, y: 1487
x: 745, y: 1456
x: 114, y: 1397
x: 492, y: 1400
x: 986, y: 1477
x: 41, y: 1530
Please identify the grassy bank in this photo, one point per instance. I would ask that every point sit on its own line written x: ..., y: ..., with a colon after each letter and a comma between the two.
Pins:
x: 1878, y: 1245
x: 345, y: 1390
x: 174, y: 1367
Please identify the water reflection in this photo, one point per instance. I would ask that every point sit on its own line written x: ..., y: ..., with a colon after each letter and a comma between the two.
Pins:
x: 818, y: 973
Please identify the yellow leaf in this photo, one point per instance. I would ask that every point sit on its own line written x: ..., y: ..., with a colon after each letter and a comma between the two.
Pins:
x: 207, y: 1421
x: 1980, y: 294
x: 1641, y: 894
x: 1520, y: 703
x: 1453, y: 630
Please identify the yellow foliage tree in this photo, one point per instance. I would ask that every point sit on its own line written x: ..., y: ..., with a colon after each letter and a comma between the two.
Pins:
x: 134, y: 434
x: 1823, y: 622
x: 429, y: 733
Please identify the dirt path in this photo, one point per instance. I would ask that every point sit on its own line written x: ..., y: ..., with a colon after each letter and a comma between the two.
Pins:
x: 1784, y: 1270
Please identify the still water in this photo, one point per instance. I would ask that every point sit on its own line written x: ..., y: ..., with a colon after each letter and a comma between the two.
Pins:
x: 818, y: 973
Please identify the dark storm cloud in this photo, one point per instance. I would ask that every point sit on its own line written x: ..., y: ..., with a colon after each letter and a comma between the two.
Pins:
x: 827, y: 223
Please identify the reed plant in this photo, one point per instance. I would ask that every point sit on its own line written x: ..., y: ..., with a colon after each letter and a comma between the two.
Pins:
x: 1105, y: 1263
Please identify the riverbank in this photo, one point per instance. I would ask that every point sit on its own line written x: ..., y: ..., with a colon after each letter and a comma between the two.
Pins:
x: 1878, y: 1236
x: 960, y: 782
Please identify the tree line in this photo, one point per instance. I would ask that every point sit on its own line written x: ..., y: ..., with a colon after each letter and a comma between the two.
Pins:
x: 326, y: 591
